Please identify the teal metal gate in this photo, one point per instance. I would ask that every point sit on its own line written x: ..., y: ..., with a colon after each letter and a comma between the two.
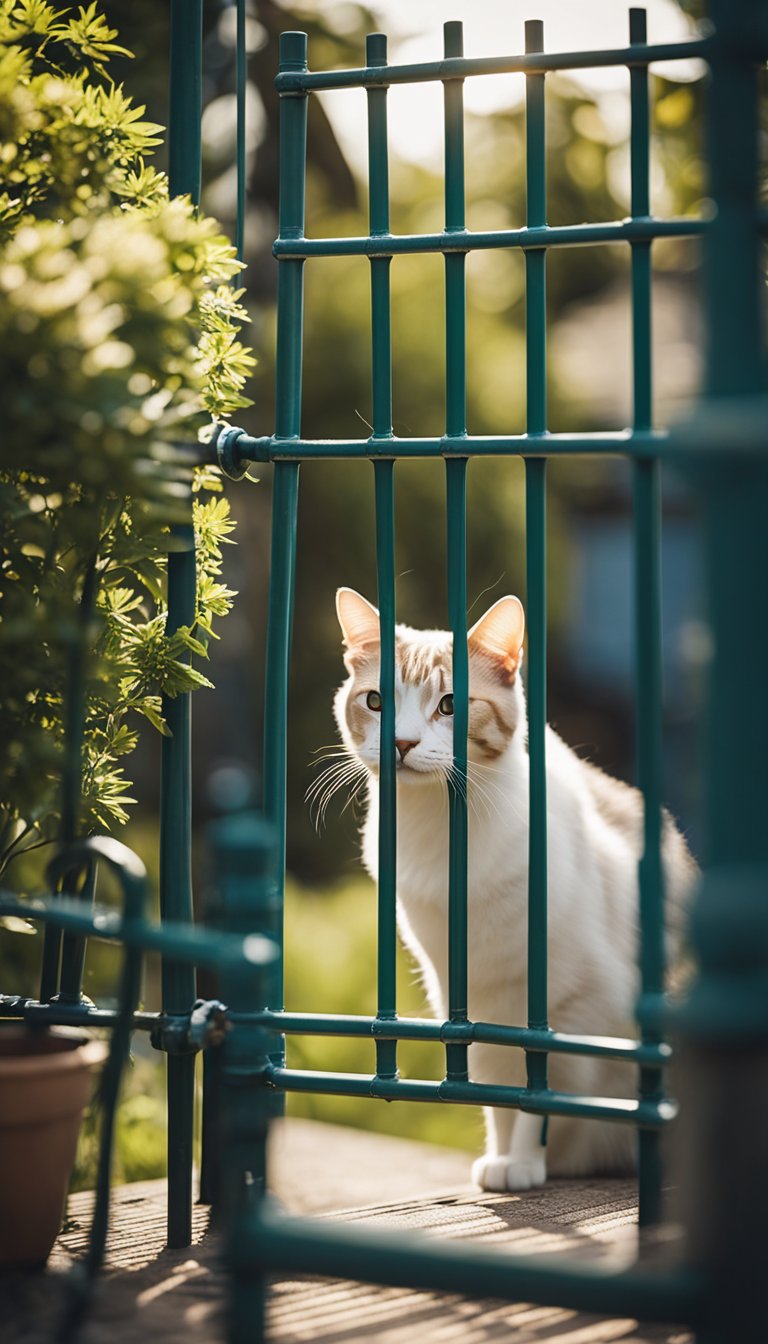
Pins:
x: 732, y: 50
x: 287, y: 449
x: 725, y: 1025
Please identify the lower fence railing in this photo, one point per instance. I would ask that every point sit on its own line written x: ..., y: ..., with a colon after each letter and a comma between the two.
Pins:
x: 236, y: 957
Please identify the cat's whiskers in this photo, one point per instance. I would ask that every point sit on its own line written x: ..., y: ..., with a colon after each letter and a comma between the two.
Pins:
x: 328, y: 772
x: 346, y: 770
x: 480, y: 801
x: 355, y: 791
x: 478, y: 795
x: 322, y: 802
x: 332, y: 775
x: 340, y: 753
x: 490, y: 785
x: 459, y: 781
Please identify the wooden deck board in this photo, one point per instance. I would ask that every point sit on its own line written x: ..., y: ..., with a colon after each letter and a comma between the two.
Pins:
x: 388, y: 1183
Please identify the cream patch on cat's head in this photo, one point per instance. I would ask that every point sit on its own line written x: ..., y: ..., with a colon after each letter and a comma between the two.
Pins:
x: 423, y: 688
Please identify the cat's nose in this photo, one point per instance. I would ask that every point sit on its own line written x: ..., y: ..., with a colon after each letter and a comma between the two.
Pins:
x: 404, y: 747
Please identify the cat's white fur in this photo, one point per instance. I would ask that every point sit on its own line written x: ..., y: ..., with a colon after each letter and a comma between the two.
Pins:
x: 594, y: 840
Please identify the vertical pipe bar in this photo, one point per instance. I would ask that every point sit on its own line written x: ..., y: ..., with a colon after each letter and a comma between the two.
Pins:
x: 386, y: 1051
x: 285, y: 481
x: 648, y: 678
x: 134, y: 904
x: 381, y: 383
x: 378, y: 222
x: 211, y: 1141
x: 536, y: 558
x: 458, y: 1008
x: 456, y: 519
x: 63, y: 959
x: 74, y: 949
x: 735, y: 343
x: 243, y: 866
x: 185, y: 99
x: 455, y: 262
x: 724, y: 1052
x: 737, y: 729
x: 49, y: 970
x: 178, y: 981
x: 241, y: 86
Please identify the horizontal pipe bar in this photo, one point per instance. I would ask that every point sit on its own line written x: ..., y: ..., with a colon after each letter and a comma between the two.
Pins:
x: 175, y: 1034
x: 633, y: 443
x: 463, y: 67
x: 488, y: 1033
x: 275, y: 1242
x: 717, y: 428
x: 469, y: 240
x: 178, y: 942
x: 626, y: 1111
x: 70, y: 1014
x: 399, y: 1029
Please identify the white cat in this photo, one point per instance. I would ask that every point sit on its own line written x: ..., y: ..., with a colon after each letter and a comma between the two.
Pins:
x: 594, y: 840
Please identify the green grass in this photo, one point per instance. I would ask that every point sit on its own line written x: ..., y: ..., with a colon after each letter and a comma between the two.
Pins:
x: 330, y: 966
x: 140, y: 1145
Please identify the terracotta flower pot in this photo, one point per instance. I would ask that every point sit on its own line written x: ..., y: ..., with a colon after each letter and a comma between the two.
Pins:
x: 45, y: 1084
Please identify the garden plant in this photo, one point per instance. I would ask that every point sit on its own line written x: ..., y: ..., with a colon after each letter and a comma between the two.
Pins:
x: 119, y: 328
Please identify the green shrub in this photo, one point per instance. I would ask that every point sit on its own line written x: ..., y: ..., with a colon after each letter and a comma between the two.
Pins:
x: 118, y: 343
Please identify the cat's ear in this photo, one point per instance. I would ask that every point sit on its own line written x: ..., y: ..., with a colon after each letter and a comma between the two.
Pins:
x: 359, y: 622
x: 499, y: 635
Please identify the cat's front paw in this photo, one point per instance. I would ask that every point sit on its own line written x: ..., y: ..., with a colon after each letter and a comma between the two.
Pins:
x: 509, y: 1173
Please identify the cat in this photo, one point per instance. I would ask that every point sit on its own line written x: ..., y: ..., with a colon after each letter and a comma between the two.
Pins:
x: 594, y: 842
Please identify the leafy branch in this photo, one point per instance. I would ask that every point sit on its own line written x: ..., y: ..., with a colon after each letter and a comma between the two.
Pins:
x: 119, y: 339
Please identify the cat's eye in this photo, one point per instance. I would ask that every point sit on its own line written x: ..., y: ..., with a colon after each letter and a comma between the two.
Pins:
x: 373, y: 700
x: 446, y: 705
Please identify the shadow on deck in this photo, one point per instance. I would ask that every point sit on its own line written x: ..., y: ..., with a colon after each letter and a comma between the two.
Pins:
x: 147, y: 1291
